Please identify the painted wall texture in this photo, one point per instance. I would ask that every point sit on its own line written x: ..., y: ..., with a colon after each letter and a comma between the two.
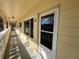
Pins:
x: 68, y: 32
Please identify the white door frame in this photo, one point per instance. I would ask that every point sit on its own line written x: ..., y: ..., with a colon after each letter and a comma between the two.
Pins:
x: 55, y: 30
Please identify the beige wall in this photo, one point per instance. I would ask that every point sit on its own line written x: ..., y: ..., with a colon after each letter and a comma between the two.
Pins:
x: 68, y: 35
x: 68, y: 39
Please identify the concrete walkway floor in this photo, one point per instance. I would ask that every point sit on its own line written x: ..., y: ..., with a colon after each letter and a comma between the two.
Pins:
x: 15, y: 48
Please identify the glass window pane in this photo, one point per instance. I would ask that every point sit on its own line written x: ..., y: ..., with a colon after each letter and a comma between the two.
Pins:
x: 7, y: 24
x: 31, y: 27
x: 26, y: 27
x: 47, y: 22
x: 20, y: 24
x: 46, y: 39
x: 1, y: 24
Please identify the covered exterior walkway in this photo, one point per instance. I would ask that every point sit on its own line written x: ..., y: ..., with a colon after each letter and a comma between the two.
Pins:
x: 15, y: 48
x: 39, y: 29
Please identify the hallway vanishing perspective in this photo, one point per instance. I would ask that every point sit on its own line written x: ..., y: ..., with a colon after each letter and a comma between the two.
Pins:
x: 13, y: 52
x: 15, y: 48
x: 39, y: 29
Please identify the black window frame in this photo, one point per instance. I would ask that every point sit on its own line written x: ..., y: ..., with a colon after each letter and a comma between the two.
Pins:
x: 1, y: 24
x: 30, y: 25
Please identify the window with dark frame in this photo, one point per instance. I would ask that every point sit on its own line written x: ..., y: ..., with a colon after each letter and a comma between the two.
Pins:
x: 31, y: 27
x: 28, y: 27
x: 1, y: 24
x: 7, y: 24
x: 20, y: 24
x: 47, y: 25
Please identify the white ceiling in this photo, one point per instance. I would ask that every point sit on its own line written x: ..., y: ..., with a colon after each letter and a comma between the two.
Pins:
x: 16, y: 8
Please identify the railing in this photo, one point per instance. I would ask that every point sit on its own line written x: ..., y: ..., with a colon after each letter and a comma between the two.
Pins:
x: 35, y: 51
x: 4, y: 36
